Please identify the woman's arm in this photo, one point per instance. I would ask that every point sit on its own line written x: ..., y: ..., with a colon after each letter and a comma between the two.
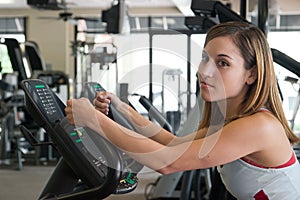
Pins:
x: 140, y: 123
x: 154, y: 131
x: 235, y: 140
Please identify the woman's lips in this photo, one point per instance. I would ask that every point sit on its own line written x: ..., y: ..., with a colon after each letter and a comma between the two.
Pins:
x: 204, y: 84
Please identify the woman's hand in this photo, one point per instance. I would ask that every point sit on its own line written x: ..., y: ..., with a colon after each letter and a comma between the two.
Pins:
x: 103, y: 99
x: 80, y: 112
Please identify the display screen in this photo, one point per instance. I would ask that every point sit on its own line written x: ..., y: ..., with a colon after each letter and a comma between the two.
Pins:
x: 97, y: 86
x: 39, y: 86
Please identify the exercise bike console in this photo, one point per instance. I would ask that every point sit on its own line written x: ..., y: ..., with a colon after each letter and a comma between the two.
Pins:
x: 40, y: 100
x: 93, y: 160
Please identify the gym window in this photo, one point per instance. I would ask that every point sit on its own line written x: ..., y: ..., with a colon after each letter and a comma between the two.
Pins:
x: 10, y: 27
x: 13, y: 27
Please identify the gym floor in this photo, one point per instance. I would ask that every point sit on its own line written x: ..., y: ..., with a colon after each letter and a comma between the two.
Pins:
x: 26, y: 184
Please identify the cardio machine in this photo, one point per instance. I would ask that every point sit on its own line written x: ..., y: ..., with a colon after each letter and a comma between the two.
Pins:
x: 129, y: 179
x: 90, y: 167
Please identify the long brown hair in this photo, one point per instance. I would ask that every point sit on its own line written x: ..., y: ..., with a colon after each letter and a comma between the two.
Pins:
x: 255, y: 50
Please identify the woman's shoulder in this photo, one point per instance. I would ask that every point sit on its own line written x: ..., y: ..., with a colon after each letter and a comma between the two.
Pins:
x: 265, y: 119
x: 260, y: 123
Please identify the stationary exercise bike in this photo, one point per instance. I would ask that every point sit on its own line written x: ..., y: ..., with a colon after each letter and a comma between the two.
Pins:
x: 90, y: 167
x: 129, y: 178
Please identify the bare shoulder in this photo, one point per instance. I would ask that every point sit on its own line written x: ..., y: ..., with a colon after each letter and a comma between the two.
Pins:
x: 266, y: 122
x: 262, y: 125
x: 264, y: 134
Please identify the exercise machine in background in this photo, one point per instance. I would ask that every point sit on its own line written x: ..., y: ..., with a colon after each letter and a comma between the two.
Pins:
x: 20, y: 62
x: 58, y: 81
x: 11, y: 103
x: 293, y: 66
x: 10, y: 137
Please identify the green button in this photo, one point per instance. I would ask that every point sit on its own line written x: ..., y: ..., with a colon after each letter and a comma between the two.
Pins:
x: 78, y: 140
x: 73, y: 134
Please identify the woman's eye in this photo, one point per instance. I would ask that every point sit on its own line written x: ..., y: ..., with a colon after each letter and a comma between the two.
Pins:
x: 223, y: 63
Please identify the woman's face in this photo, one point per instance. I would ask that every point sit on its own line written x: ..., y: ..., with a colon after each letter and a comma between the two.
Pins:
x: 222, y: 73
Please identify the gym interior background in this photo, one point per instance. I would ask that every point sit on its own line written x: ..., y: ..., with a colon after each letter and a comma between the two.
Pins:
x: 134, y: 48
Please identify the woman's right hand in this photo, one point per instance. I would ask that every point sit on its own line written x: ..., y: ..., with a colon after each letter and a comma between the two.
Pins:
x: 104, y: 99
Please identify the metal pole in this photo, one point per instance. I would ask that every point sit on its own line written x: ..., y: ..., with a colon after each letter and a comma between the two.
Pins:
x: 150, y: 60
x: 243, y: 8
x: 263, y: 14
x: 188, y: 107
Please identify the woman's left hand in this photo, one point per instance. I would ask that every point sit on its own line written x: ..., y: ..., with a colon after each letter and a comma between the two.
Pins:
x: 80, y: 112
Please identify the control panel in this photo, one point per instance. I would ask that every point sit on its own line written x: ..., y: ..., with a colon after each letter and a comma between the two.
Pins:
x: 47, y: 110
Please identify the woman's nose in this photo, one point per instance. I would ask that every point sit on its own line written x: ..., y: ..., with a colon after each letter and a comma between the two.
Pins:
x: 206, y: 70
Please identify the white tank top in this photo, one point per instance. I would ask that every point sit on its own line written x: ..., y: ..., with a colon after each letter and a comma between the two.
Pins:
x: 246, y: 181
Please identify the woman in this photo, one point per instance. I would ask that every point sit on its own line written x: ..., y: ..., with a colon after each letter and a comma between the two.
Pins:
x: 243, y: 130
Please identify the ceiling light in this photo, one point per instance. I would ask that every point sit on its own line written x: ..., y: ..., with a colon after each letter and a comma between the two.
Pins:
x: 7, y: 1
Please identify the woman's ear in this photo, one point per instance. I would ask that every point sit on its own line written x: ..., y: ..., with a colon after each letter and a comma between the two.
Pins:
x: 252, y: 75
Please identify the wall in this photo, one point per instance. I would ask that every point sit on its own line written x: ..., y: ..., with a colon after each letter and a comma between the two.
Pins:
x: 55, y: 37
